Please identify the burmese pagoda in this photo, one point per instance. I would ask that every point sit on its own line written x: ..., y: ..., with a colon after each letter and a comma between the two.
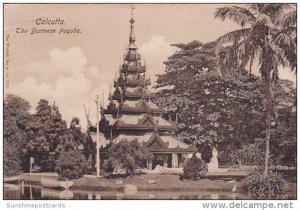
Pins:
x: 132, y: 114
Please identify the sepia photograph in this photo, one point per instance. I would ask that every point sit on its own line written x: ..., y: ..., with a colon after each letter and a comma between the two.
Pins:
x: 141, y: 101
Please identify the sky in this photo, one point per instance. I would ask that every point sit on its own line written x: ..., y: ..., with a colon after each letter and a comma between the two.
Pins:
x: 71, y: 69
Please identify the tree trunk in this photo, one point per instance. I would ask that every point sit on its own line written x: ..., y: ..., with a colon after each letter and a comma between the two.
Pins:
x: 267, y: 145
x: 270, y: 96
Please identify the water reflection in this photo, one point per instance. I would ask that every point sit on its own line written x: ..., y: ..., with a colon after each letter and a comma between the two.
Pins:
x: 56, y: 194
x: 27, y: 192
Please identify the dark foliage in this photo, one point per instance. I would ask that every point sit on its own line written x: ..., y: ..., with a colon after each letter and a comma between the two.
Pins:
x: 214, y: 110
x: 16, y: 116
x: 49, y: 136
x: 195, y: 168
x: 71, y: 165
x: 273, y: 186
x: 210, y: 110
x: 268, y: 37
x: 75, y: 131
x: 128, y: 155
x: 47, y: 132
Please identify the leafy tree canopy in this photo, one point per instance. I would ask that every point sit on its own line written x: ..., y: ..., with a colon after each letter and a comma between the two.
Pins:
x: 49, y: 136
x: 211, y: 109
x: 16, y: 116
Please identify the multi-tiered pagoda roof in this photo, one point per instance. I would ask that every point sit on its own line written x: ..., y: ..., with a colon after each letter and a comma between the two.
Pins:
x: 131, y: 113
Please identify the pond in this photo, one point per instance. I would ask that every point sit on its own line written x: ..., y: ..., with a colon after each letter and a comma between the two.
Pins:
x: 34, y: 192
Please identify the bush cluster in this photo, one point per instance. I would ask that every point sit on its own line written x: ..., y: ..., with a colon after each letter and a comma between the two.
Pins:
x: 71, y: 165
x: 195, y: 168
x: 127, y: 156
x: 273, y: 186
x: 11, y: 161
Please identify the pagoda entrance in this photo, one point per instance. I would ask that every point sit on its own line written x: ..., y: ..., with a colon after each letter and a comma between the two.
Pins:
x: 167, y: 160
x: 160, y: 159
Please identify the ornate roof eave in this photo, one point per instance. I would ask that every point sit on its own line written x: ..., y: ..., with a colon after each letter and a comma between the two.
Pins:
x: 143, y: 127
x: 155, y: 137
x: 132, y: 96
x: 138, y: 82
x: 128, y: 82
x: 173, y: 150
x: 164, y: 145
x: 133, y: 110
x: 139, y: 90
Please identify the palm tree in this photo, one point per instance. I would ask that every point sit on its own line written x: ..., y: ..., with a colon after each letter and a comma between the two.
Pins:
x: 268, y: 35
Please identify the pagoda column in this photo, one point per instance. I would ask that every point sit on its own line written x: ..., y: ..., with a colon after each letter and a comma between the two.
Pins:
x: 149, y: 165
x: 93, y: 162
x: 180, y: 161
x: 165, y: 160
x: 174, y: 160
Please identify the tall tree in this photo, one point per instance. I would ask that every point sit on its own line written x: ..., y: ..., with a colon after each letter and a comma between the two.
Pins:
x: 210, y: 111
x: 48, y: 134
x: 214, y: 111
x: 16, y: 116
x: 268, y: 35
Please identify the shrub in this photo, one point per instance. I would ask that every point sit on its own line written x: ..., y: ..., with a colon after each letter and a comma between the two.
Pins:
x: 128, y: 155
x: 253, y: 154
x: 247, y: 155
x: 11, y: 159
x: 195, y: 168
x: 71, y: 165
x: 273, y: 186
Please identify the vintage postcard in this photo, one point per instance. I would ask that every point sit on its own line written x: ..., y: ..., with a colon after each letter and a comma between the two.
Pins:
x: 150, y: 102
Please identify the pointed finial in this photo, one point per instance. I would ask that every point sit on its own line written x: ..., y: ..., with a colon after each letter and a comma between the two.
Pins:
x: 132, y: 8
x: 131, y: 36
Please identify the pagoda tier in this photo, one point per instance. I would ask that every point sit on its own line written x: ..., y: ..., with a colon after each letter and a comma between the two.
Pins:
x: 132, y: 95
x: 122, y: 93
x: 142, y: 122
x: 133, y: 68
x: 136, y: 80
x: 156, y: 142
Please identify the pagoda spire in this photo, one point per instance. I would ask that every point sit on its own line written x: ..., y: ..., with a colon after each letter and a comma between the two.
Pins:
x: 131, y: 35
